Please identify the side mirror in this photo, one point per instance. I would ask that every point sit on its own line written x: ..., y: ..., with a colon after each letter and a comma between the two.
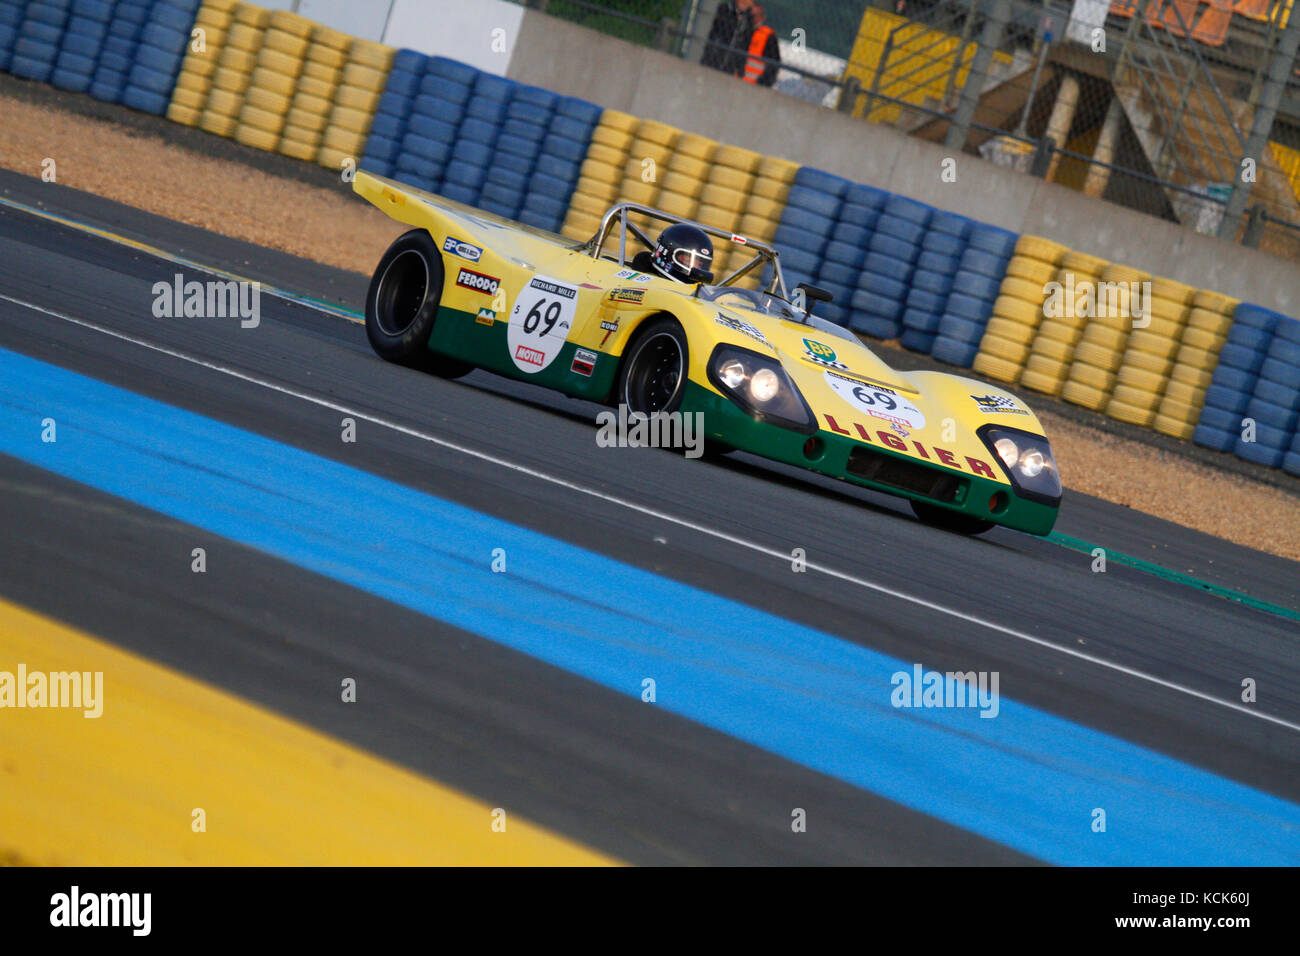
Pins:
x: 815, y: 293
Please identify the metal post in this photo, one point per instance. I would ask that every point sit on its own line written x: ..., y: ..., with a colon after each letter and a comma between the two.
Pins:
x: 1279, y: 71
x: 990, y: 39
x: 849, y: 94
x: 1062, y: 118
x: 1104, y: 151
x: 700, y: 28
x: 881, y: 65
x: 1033, y: 88
x: 967, y: 26
x: 1254, y: 227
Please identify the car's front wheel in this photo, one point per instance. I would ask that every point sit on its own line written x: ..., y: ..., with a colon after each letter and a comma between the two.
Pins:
x: 953, y: 521
x: 402, y: 305
x: 654, y: 370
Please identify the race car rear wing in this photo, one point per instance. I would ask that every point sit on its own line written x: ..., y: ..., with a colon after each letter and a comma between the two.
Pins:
x: 618, y: 216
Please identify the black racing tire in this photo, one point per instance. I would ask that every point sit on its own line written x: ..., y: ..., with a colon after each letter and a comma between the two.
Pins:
x: 653, y: 373
x: 402, y: 305
x: 953, y: 521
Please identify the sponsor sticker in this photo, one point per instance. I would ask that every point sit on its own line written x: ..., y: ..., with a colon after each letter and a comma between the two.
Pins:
x: 469, y: 279
x: 584, y: 362
x: 485, y: 317
x: 740, y: 325
x: 634, y: 296
x: 540, y: 322
x: 458, y: 247
x: 995, y: 404
x: 820, y: 353
x: 877, y: 401
x: 627, y: 274
x: 739, y: 240
x: 610, y: 326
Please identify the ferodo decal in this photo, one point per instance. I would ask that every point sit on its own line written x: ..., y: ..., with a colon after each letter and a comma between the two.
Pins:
x: 877, y: 401
x: 932, y: 453
x: 458, y: 247
x: 540, y: 322
x: 584, y: 362
x: 477, y: 281
x: 740, y: 325
x: 634, y: 296
x: 993, y: 404
x: 821, y: 354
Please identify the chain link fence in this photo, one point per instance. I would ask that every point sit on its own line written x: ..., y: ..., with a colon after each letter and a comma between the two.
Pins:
x: 1149, y: 104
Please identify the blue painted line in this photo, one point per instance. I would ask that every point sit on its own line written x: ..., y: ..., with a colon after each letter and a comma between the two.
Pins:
x: 1026, y: 779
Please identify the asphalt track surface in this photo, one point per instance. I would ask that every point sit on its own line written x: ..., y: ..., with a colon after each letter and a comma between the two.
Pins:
x: 1128, y: 654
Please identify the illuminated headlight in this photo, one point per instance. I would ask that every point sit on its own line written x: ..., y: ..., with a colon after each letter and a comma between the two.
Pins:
x: 760, y: 386
x: 1027, y: 459
x: 764, y: 385
x: 732, y: 374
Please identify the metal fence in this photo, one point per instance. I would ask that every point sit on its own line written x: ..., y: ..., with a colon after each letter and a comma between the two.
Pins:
x: 1156, y: 105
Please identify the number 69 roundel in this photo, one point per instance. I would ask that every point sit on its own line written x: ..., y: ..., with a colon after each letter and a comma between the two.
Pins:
x: 540, y: 322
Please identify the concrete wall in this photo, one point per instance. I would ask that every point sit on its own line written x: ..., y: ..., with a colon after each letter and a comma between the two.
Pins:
x: 481, y: 33
x: 573, y: 60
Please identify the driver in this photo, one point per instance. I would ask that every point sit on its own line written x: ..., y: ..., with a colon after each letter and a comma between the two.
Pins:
x: 683, y: 253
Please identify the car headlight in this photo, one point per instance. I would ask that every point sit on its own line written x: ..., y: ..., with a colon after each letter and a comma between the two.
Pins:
x: 759, y: 385
x: 764, y: 385
x: 1027, y: 460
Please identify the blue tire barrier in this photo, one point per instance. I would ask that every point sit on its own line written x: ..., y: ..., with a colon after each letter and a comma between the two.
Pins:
x: 937, y: 262
x: 851, y: 233
x: 1209, y: 437
x: 1225, y: 398
x: 1240, y: 357
x: 828, y: 184
x: 845, y: 253
x: 792, y: 237
x: 865, y: 217
x: 935, y: 283
x: 890, y: 267
x: 1279, y: 418
x: 882, y: 284
x: 882, y: 243
x: 954, y: 352
x: 984, y: 263
x: 403, y: 83
x: 916, y: 340
x: 926, y: 303
x: 943, y: 244
x: 977, y: 286
x: 1284, y: 373
x: 1256, y: 317
x: 902, y: 229
x: 1283, y: 394
x: 1248, y: 337
x: 457, y: 73
x: 901, y: 207
x: 869, y: 196
x: 573, y: 150
x: 837, y: 274
x: 951, y: 224
x: 804, y: 199
x: 1281, y: 350
x: 969, y: 307
x: 1259, y: 453
x: 998, y: 243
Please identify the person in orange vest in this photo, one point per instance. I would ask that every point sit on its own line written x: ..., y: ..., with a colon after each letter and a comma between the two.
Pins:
x: 764, y: 51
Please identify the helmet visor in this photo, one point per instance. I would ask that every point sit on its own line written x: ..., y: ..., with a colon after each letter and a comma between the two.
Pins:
x: 693, y: 261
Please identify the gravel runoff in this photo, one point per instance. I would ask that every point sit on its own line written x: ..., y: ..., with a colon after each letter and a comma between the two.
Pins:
x: 211, y: 182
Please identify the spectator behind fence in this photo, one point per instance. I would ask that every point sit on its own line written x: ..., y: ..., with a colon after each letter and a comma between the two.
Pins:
x: 729, y: 37
x: 764, y: 58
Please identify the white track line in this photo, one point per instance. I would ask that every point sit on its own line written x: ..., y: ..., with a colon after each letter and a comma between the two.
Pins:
x: 663, y: 516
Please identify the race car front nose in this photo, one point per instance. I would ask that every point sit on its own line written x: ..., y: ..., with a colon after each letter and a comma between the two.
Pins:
x: 760, y: 386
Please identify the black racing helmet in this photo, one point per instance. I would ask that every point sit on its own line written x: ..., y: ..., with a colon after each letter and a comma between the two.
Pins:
x: 684, y: 253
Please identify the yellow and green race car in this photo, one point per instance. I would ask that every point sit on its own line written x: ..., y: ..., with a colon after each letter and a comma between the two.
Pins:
x: 746, y: 357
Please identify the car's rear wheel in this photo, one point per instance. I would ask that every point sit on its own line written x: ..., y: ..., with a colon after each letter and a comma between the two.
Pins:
x: 654, y: 371
x: 953, y: 521
x: 402, y: 305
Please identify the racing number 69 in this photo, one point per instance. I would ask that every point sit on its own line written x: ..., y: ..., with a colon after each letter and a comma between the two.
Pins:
x: 535, y: 317
x: 866, y: 398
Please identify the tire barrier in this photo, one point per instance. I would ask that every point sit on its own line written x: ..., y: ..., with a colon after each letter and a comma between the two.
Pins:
x: 1149, y: 351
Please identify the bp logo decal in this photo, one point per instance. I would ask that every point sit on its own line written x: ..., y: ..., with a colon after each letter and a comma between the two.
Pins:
x: 821, y: 354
